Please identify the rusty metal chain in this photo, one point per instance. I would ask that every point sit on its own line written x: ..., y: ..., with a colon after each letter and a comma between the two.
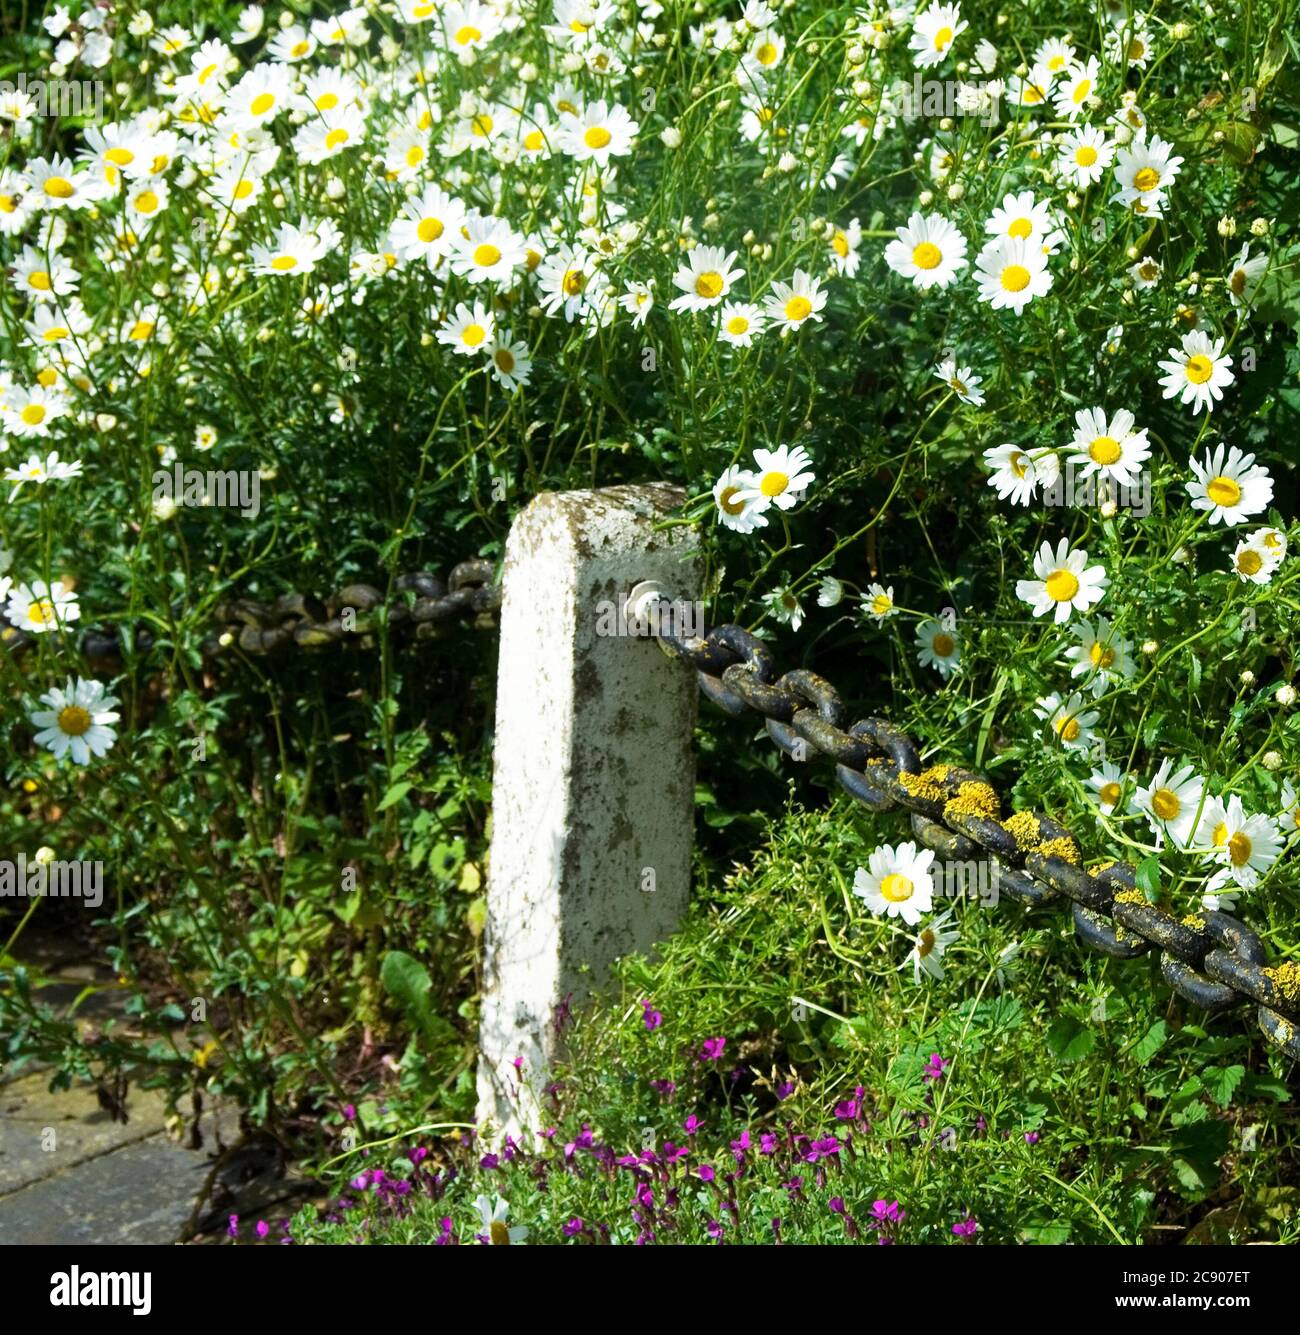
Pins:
x: 424, y: 608
x: 1210, y: 959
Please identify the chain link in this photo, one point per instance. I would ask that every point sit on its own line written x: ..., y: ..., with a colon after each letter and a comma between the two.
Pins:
x: 1210, y: 959
x: 424, y: 608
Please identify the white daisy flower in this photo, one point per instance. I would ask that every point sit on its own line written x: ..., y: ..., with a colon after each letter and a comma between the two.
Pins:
x: 512, y: 363
x: 38, y: 609
x: 929, y: 946
x: 76, y: 721
x: 844, y: 243
x: 564, y: 277
x: 1251, y: 564
x: 1054, y: 56
x: 791, y: 305
x: 929, y: 250
x: 1289, y: 817
x: 897, y: 882
x: 1144, y: 170
x: 830, y: 592
x: 1065, y: 583
x: 600, y: 131
x: 469, y: 330
x: 705, y: 279
x: 1024, y: 218
x: 1084, y: 156
x: 1070, y: 720
x: 1198, y: 372
x: 1230, y: 485
x: 30, y: 412
x: 1107, y: 783
x: 295, y: 249
x: 1244, y: 276
x: 739, y: 501
x: 1031, y: 89
x: 1011, y: 273
x: 785, y: 607
x: 488, y: 251
x: 938, y: 646
x: 428, y: 227
x: 1102, y: 655
x: 1247, y: 845
x: 493, y: 1214
x: 39, y: 471
x: 638, y: 300
x: 933, y: 32
x: 1077, y: 85
x: 878, y: 603
x: 51, y: 184
x: 961, y: 380
x: 1146, y: 272
x: 740, y: 323
x: 782, y: 475
x: 1109, y: 446
x: 1171, y: 803
x: 1017, y: 474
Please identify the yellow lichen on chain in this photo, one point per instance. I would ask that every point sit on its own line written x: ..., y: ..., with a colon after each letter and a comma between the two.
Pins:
x: 920, y: 785
x: 1133, y: 896
x: 1023, y: 828
x: 973, y: 799
x: 1064, y: 848
x: 1195, y: 922
x: 1286, y: 978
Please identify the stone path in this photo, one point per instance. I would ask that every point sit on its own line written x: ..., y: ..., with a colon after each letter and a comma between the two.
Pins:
x: 71, y: 1174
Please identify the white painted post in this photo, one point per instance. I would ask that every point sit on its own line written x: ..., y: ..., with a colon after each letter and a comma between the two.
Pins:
x: 593, y: 789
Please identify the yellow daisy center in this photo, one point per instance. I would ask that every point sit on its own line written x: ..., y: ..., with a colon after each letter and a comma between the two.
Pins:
x: 1223, y: 491
x: 1250, y: 562
x: 896, y: 888
x: 534, y: 141
x: 430, y: 229
x: 942, y: 645
x: 766, y: 54
x: 1068, y: 729
x: 1199, y: 369
x: 840, y: 245
x: 1022, y: 227
x: 261, y: 104
x: 40, y: 280
x: 42, y: 613
x: 33, y: 414
x: 283, y: 263
x: 243, y: 189
x: 1104, y: 450
x: 597, y: 136
x: 573, y: 282
x: 1085, y: 155
x: 709, y: 285
x: 1102, y: 657
x: 728, y: 502
x: 468, y: 34
x: 500, y: 1234
x: 1146, y: 179
x: 505, y: 360
x: 1239, y: 849
x: 74, y: 721
x: 120, y: 157
x: 1165, y: 804
x: 737, y: 324
x: 336, y: 137
x: 59, y: 187
x: 1015, y: 278
x: 486, y: 255
x: 473, y: 335
x: 1081, y: 91
x: 774, y: 483
x: 881, y: 604
x: 942, y: 38
x: 927, y: 255
x: 146, y: 201
x: 925, y: 943
x: 1061, y: 585
x: 1109, y: 794
x: 798, y: 308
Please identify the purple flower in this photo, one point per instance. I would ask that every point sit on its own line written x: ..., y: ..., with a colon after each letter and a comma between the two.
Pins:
x: 652, y: 1018
x: 263, y: 1228
x: 935, y: 1066
x: 712, y: 1050
x: 887, y: 1212
x: 706, y: 1172
x: 232, y: 1228
x: 785, y: 1089
x: 1031, y: 1137
x: 966, y: 1228
x: 714, y: 1229
x: 573, y: 1227
x: 837, y: 1204
x: 664, y: 1088
x: 692, y: 1124
x: 489, y: 1161
x: 768, y: 1143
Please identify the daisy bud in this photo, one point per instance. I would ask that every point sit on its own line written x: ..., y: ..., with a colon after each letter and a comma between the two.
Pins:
x: 956, y: 191
x: 163, y: 508
x: 814, y: 48
x: 534, y: 312
x: 1271, y: 760
x: 265, y: 335
x: 879, y: 41
x: 1218, y: 136
x: 426, y: 339
x: 122, y: 89
x: 1259, y: 227
x: 1109, y: 509
x: 767, y: 254
x: 1227, y: 227
x: 286, y: 19
x: 862, y: 88
x: 571, y: 63
x: 44, y: 856
x: 856, y: 55
x: 711, y: 222
x: 660, y: 39
x: 962, y: 67
x: 1072, y: 200
x: 1247, y: 678
x: 787, y: 162
x: 334, y: 188
x: 528, y: 72
x: 389, y: 50
x: 278, y: 200
x: 1123, y: 135
x: 1132, y: 252
x: 749, y: 238
x: 671, y: 137
x: 1180, y: 32
x: 1001, y: 20
x: 1286, y: 695
x: 725, y: 104
x: 946, y: 123
x: 58, y: 68
x: 1150, y: 647
x: 926, y: 198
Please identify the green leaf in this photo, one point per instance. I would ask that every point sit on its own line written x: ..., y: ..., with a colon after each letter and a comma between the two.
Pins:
x: 407, y: 981
x: 394, y: 794
x: 1151, y: 1042
x: 1222, y: 1082
x: 1148, y: 878
x: 1068, y: 1040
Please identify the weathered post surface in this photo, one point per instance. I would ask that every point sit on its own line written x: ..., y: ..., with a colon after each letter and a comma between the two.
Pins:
x: 593, y: 786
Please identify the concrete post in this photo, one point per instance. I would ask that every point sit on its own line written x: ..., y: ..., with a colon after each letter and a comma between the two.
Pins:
x: 594, y: 773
